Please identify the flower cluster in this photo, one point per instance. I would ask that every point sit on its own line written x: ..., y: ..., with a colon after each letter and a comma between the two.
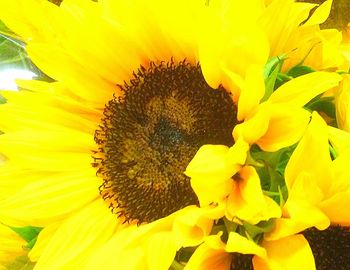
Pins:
x: 176, y: 135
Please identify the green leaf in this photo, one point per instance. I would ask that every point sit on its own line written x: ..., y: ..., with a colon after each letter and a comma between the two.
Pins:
x: 271, y: 65
x: 333, y: 152
x: 2, y: 99
x: 183, y: 255
x: 323, y: 104
x: 282, y: 79
x: 272, y: 172
x: 271, y: 81
x: 255, y: 231
x: 299, y: 70
x: 28, y: 233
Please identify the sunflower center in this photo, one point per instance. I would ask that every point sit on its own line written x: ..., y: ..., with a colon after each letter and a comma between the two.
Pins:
x: 241, y: 261
x: 149, y: 135
x: 331, y: 247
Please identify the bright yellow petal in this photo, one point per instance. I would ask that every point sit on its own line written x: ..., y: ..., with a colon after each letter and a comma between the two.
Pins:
x: 320, y: 14
x: 50, y: 198
x: 211, y: 170
x: 334, y: 208
x: 301, y: 90
x: 313, y: 146
x: 342, y: 103
x: 247, y: 201
x: 252, y: 92
x: 161, y: 251
x: 210, y: 255
x: 193, y: 224
x: 240, y: 244
x: 339, y: 139
x: 127, y: 249
x: 280, y: 20
x: 12, y: 245
x: 288, y: 253
x: 300, y: 216
x: 230, y: 43
x: 286, y: 126
x: 58, y: 64
x: 43, y: 240
x: 252, y: 129
x: 78, y: 237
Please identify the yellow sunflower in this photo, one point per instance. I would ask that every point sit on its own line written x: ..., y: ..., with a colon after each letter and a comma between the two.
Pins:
x: 135, y: 88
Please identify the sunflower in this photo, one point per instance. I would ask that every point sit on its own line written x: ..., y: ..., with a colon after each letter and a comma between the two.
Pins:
x: 97, y: 152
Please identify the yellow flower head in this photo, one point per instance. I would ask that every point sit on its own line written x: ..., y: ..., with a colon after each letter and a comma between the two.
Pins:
x: 135, y: 93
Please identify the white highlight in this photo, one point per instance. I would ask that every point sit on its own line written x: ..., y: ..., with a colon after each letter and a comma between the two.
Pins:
x: 8, y: 77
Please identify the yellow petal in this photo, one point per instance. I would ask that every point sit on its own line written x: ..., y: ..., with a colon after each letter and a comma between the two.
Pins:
x: 288, y: 253
x: 128, y: 248
x: 113, y: 255
x: 210, y: 255
x: 301, y: 90
x: 17, y: 17
x: 300, y: 216
x: 240, y: 244
x: 12, y: 245
x: 193, y: 224
x: 58, y: 64
x: 247, y: 201
x: 342, y: 103
x: 305, y: 188
x: 286, y: 126
x: 43, y: 240
x: 161, y: 250
x: 340, y: 182
x: 321, y: 14
x: 252, y: 92
x: 223, y: 45
x: 335, y: 207
x: 280, y: 21
x: 339, y: 139
x: 78, y: 237
x: 211, y: 170
x: 252, y: 129
x: 45, y: 200
x: 313, y: 146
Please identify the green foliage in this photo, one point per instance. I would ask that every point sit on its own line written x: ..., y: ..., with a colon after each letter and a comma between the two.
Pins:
x: 271, y: 171
x: 322, y: 104
x: 271, y: 71
x: 299, y: 70
x: 28, y: 233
